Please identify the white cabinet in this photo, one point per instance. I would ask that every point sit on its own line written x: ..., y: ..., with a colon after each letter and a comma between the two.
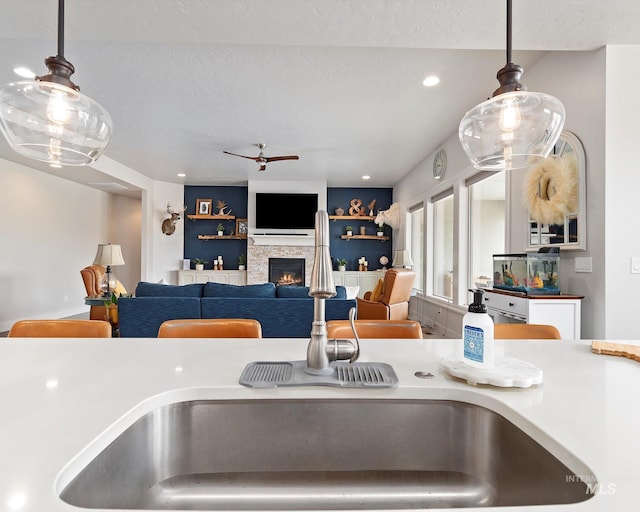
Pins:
x: 366, y: 281
x: 238, y: 277
x: 562, y: 311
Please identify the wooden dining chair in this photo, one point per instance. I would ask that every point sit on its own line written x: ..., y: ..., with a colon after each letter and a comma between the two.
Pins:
x: 389, y: 329
x: 60, y: 329
x: 526, y: 332
x: 211, y: 328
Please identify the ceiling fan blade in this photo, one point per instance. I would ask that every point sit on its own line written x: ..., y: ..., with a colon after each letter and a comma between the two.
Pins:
x: 255, y: 159
x: 276, y: 158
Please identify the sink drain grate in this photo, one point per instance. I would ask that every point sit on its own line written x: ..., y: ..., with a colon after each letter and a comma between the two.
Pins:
x: 292, y: 373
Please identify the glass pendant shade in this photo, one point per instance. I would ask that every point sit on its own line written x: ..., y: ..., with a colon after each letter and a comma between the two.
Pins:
x: 515, y: 128
x: 53, y: 123
x: 512, y: 130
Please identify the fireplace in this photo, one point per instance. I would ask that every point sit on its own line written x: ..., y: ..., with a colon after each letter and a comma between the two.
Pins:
x: 286, y: 271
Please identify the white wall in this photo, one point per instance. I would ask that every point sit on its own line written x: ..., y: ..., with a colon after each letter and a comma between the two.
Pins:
x: 51, y: 230
x: 578, y: 80
x: 621, y: 193
x: 54, y: 226
x: 163, y: 252
x: 124, y: 229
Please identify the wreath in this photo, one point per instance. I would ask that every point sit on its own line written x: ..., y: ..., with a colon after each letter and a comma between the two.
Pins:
x: 551, y: 190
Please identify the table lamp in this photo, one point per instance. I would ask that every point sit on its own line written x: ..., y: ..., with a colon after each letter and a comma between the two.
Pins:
x: 107, y: 255
x: 402, y: 259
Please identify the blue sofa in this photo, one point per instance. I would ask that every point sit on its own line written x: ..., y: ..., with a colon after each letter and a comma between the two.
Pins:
x: 283, y: 311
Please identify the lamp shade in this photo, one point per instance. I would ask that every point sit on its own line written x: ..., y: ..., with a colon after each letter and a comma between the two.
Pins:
x: 402, y: 258
x: 109, y: 254
x: 53, y: 123
x: 512, y: 130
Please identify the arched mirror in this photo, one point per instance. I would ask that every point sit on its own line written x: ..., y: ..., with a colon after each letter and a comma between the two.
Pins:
x: 555, y: 195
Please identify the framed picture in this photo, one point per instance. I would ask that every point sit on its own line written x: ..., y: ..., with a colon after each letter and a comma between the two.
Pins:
x: 203, y: 206
x: 242, y: 228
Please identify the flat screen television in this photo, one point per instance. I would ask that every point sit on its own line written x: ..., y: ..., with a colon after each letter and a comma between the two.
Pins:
x: 285, y: 211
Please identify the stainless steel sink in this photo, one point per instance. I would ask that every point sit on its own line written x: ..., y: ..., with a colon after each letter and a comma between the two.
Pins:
x: 323, y: 454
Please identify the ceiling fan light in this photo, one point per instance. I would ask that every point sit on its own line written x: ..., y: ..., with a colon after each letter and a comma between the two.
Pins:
x: 513, y: 130
x: 51, y: 122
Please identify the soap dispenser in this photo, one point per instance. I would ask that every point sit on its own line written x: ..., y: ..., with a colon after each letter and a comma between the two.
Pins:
x: 477, y: 334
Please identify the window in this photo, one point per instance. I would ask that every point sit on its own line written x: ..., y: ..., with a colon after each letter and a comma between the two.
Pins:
x: 443, y: 244
x: 486, y: 224
x: 416, y: 226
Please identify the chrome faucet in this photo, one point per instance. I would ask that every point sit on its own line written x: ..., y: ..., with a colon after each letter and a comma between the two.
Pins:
x: 320, y: 351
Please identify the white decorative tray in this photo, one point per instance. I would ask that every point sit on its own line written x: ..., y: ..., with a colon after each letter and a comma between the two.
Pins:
x: 506, y: 372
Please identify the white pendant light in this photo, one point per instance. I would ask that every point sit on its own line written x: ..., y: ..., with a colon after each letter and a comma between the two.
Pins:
x: 515, y: 128
x: 48, y: 119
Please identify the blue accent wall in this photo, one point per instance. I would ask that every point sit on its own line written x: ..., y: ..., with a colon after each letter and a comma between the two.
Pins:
x: 237, y: 200
x: 208, y: 250
x: 352, y: 250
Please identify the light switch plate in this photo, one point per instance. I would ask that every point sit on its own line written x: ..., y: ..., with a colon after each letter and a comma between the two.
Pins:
x: 635, y: 265
x: 584, y: 264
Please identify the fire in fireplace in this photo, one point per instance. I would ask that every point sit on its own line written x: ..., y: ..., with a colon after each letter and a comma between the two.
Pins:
x: 286, y: 271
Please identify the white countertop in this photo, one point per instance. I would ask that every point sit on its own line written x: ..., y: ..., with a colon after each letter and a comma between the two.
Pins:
x: 59, y: 395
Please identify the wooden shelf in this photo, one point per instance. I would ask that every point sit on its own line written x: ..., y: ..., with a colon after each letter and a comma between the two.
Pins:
x: 365, y: 237
x: 211, y: 217
x: 351, y: 217
x: 223, y: 237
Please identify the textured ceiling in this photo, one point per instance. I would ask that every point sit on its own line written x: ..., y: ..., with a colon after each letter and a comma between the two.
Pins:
x: 338, y: 83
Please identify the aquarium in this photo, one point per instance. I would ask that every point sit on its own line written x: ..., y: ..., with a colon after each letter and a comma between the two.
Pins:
x: 533, y: 274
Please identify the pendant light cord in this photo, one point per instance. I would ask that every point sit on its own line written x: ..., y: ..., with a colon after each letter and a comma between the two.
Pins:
x: 61, y: 28
x: 508, y: 31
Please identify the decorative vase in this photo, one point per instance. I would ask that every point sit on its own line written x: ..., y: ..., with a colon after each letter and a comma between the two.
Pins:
x: 339, y: 212
x: 342, y: 268
x: 240, y: 267
x: 380, y: 233
x: 349, y: 233
x: 199, y: 266
x: 363, y: 230
x: 220, y: 233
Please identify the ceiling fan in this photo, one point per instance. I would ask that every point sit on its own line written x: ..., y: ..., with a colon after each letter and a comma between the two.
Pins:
x: 264, y: 160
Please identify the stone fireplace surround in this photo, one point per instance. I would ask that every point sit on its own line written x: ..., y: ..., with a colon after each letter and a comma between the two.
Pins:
x: 258, y: 260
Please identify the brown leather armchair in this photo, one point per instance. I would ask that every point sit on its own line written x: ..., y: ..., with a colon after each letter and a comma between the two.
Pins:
x: 393, y: 304
x: 92, y: 277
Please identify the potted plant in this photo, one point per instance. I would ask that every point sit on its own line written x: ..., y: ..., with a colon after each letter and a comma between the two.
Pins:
x: 342, y: 264
x: 199, y: 263
x: 111, y: 306
x: 241, y: 262
x: 349, y: 230
x: 220, y: 229
x: 380, y: 231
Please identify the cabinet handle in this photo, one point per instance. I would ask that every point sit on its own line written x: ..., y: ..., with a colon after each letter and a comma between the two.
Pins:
x: 511, y: 304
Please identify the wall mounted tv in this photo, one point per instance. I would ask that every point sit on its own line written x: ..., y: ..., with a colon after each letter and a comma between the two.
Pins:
x: 285, y: 211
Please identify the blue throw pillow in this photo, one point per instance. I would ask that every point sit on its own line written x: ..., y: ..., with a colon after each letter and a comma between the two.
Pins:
x: 145, y: 289
x: 264, y: 291
x: 300, y: 292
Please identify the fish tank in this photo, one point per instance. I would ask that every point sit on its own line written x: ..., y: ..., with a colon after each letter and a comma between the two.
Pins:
x: 533, y: 274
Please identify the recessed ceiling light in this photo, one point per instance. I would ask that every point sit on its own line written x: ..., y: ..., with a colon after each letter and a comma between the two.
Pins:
x: 430, y: 81
x: 366, y: 177
x: 24, y: 72
x: 181, y: 175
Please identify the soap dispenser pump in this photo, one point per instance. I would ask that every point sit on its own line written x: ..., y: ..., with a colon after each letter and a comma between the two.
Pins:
x: 477, y: 334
